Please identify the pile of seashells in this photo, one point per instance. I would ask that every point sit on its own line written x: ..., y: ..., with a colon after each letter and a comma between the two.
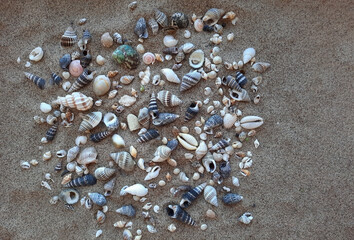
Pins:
x: 213, y: 160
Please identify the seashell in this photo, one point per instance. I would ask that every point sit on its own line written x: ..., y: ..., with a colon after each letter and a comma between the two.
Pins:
x: 170, y: 75
x: 231, y: 82
x: 170, y: 50
x: 126, y: 55
x: 213, y: 122
x: 86, y: 58
x: 69, y: 38
x: 127, y: 210
x: 246, y: 218
x: 66, y: 86
x: 79, y: 171
x: 168, y: 57
x: 101, y: 85
x: 208, y: 28
x: 168, y: 99
x: 106, y: 40
x: 248, y: 54
x: 162, y: 153
x: 112, y: 94
x: 100, y: 217
x: 69, y: 196
x: 257, y: 80
x: 212, y: 16
x: 179, y: 20
x: 251, y: 122
x: 75, y: 68
x: 118, y: 141
x: 229, y: 15
x: 100, y: 60
x: 209, y: 163
x: 144, y: 117
x: 50, y: 134
x: 90, y: 121
x: 240, y: 95
x: 127, y: 100
x: 149, y: 135
x: 221, y: 144
x: 256, y: 143
x: 127, y: 235
x: 127, y: 79
x: 210, y: 195
x: 151, y: 229
x: 61, y: 153
x: 55, y: 79
x: 111, y: 121
x: 86, y: 180
x: 260, y: 67
x: 40, y: 82
x: 141, y: 29
x: 175, y: 211
x: 154, y: 26
x: 51, y: 119
x: 153, y: 173
x: 71, y: 168
x: 198, y: 25
x: 201, y: 150
x: 104, y: 173
x: 187, y: 34
x: 235, y: 181
x: 36, y: 54
x: 28, y: 64
x: 225, y: 169
x: 145, y: 77
x: 231, y: 198
x: 169, y: 41
x: 87, y: 156
x: 196, y: 59
x: 179, y: 57
x: 172, y: 144
x: 140, y: 48
x: 161, y: 18
x: 183, y: 177
x: 75, y: 100
x: 149, y: 58
x: 191, y: 195
x: 218, y: 28
x: 97, y: 198
x: 189, y: 80
x: 164, y: 119
x: 117, y: 38
x: 141, y: 164
x: 108, y: 187
x: 124, y: 160
x: 47, y: 156
x: 119, y: 224
x: 25, y: 165
x: 257, y: 99
x: 137, y: 190
x: 72, y: 153
x: 230, y: 36
x: 171, y: 228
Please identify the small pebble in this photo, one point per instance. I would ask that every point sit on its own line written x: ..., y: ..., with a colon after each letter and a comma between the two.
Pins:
x: 176, y: 171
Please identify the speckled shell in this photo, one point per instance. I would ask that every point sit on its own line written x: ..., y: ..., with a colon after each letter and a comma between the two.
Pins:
x: 87, y: 156
x: 97, y: 137
x: 241, y: 79
x: 65, y: 61
x: 149, y: 135
x: 212, y: 16
x: 69, y: 38
x: 55, y: 79
x: 126, y: 55
x: 144, y: 117
x: 231, y: 82
x: 196, y: 59
x: 97, y: 198
x: 231, y: 198
x: 40, y: 82
x: 162, y: 153
x: 213, y: 122
x: 210, y: 195
x: 85, y: 58
x: 209, y: 163
x: 124, y: 160
x: 192, y: 111
x: 161, y: 18
x: 154, y: 26
x: 76, y: 100
x: 260, y: 67
x: 126, y: 210
x: 223, y: 143
x: 168, y: 99
x: 191, y: 195
x: 180, y: 57
x: 141, y: 29
x: 104, y: 173
x: 69, y: 196
x: 179, y: 20
x: 175, y: 211
x: 164, y: 119
x: 85, y: 78
x: 90, y: 121
x: 225, y: 169
x: 153, y: 109
x: 189, y: 80
x: 51, y: 132
x: 86, y: 180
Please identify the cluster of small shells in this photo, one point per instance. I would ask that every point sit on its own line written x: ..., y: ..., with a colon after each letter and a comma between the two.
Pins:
x: 213, y: 159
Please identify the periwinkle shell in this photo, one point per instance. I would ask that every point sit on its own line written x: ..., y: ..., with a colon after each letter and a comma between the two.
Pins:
x: 126, y: 55
x: 231, y: 198
x: 179, y: 20
x: 97, y: 198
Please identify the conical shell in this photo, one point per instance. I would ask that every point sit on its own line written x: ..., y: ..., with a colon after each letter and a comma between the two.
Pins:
x: 127, y: 79
x: 154, y: 26
x: 172, y: 144
x: 149, y: 135
x: 90, y: 121
x: 189, y: 80
x: 241, y: 79
x: 97, y: 137
x: 175, y: 211
x: 124, y: 160
x: 223, y: 143
x: 153, y: 173
x: 69, y: 196
x: 76, y: 100
x: 210, y: 195
x: 213, y: 122
x: 86, y: 180
x: 260, y: 67
x: 231, y: 82
x: 55, y: 79
x: 162, y: 153
x: 240, y: 96
x: 85, y: 78
x: 144, y: 117
x: 111, y: 121
x: 209, y: 163
x: 251, y: 122
x: 87, y: 156
x: 137, y: 190
x: 104, y: 173
x: 196, y: 59
x: 40, y: 82
x: 161, y: 18
x: 248, y: 54
x: 164, y: 119
x: 231, y: 198
x: 225, y: 169
x: 97, y: 198
x: 51, y: 132
x: 109, y: 186
x: 126, y: 210
x: 72, y: 153
x: 192, y: 111
x: 168, y: 99
x: 69, y: 38
x: 191, y: 195
x: 201, y: 150
x: 141, y: 29
x: 153, y: 109
x: 212, y: 16
x: 85, y: 58
x: 170, y: 75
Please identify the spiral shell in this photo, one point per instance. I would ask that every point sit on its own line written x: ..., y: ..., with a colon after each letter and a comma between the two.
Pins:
x: 154, y: 26
x: 209, y: 163
x: 173, y: 143
x: 164, y: 119
x: 153, y: 173
x: 196, y: 59
x: 65, y: 61
x: 212, y: 16
x: 144, y: 117
x: 90, y: 121
x: 175, y: 211
x: 104, y: 173
x: 97, y: 137
x: 223, y: 143
x: 170, y: 75
x: 124, y: 160
x: 126, y: 210
x: 180, y: 57
x: 213, y: 122
x: 136, y: 190
x: 108, y: 187
x: 87, y: 156
x: 162, y: 153
x: 100, y: 217
x: 149, y: 135
x: 198, y: 25
x: 241, y: 96
x: 85, y: 78
x: 192, y: 111
x: 117, y: 38
x: 55, y: 79
x: 161, y: 18
x: 40, y: 82
x: 189, y: 80
x: 248, y: 54
x: 101, y: 85
x: 106, y: 40
x: 179, y: 20
x: 170, y: 50
x: 97, y: 198
x: 126, y: 55
x: 127, y: 79
x: 86, y: 180
x: 191, y: 195
x: 51, y: 132
x: 260, y: 67
x: 168, y: 99
x: 69, y: 38
x: 76, y: 100
x: 153, y: 109
x: 231, y: 198
x: 149, y: 58
x: 141, y: 29
x: 241, y: 79
x: 69, y: 196
x: 72, y: 153
x: 201, y: 150
x: 111, y: 121
x: 210, y: 195
x: 231, y: 82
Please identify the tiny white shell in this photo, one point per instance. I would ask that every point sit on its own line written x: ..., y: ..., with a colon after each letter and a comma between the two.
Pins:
x: 34, y: 162
x: 168, y: 57
x: 207, y: 91
x: 36, y: 54
x: 28, y: 64
x: 61, y: 153
x: 256, y: 143
x: 25, y: 165
x: 99, y: 233
x: 187, y: 34
x: 203, y: 227
x: 248, y: 54
x: 81, y: 140
x: 162, y: 183
x: 66, y: 86
x: 230, y: 36
x: 118, y: 141
x: 196, y: 176
x: 235, y: 181
x: 100, y: 60
x: 176, y: 171
x: 98, y: 103
x: 172, y: 228
x: 156, y: 209
x: 169, y: 41
x: 141, y: 164
x: 140, y: 49
x: 65, y: 75
x: 47, y: 156
x: 45, y: 107
x: 217, y: 60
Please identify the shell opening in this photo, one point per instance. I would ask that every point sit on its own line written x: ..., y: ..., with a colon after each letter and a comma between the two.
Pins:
x: 72, y: 195
x: 185, y: 203
x: 170, y: 211
x: 212, y: 166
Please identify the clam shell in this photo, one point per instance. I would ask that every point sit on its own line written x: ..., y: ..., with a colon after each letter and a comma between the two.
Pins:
x: 179, y: 20
x: 126, y: 210
x: 153, y: 173
x: 209, y: 163
x: 170, y: 75
x: 260, y: 67
x: 90, y: 121
x: 189, y: 80
x: 127, y: 100
x: 191, y: 195
x: 251, y: 122
x: 97, y: 137
x: 75, y: 100
x: 111, y: 121
x: 126, y: 79
x: 164, y: 119
x: 201, y: 150
x: 154, y: 26
x: 86, y: 180
x: 212, y: 16
x: 40, y: 82
x: 141, y: 29
x: 149, y: 58
x: 101, y: 85
x: 192, y: 111
x: 213, y: 122
x: 137, y: 190
x: 149, y: 135
x: 162, y: 153
x: 175, y: 211
x: 104, y: 173
x: 108, y: 187
x: 144, y: 117
x: 248, y: 54
x: 210, y: 195
x: 72, y: 153
x: 87, y: 156
x: 69, y: 196
x: 169, y: 41
x: 196, y: 59
x: 97, y: 198
x: 168, y: 99
x: 124, y: 160
x: 69, y: 38
x: 161, y: 18
x: 231, y: 198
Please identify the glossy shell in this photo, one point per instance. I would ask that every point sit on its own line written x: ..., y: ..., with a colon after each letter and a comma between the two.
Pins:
x: 170, y: 75
x: 124, y: 160
x: 241, y: 79
x: 191, y: 195
x: 75, y: 68
x: 175, y: 211
x: 101, y: 85
x: 126, y: 55
x: 209, y: 163
x: 86, y: 180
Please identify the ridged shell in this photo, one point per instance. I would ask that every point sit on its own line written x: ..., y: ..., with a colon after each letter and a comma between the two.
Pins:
x: 223, y: 143
x: 170, y: 75
x: 209, y: 163
x: 191, y: 195
x: 248, y: 54
x: 124, y: 160
x: 137, y: 190
x: 240, y: 96
x: 90, y: 121
x: 126, y: 79
x: 175, y: 211
x: 127, y: 210
x: 86, y: 180
x: 189, y: 80
x: 65, y: 61
x: 196, y: 59
x: 212, y: 16
x: 97, y: 137
x: 179, y: 20
x: 192, y: 111
x: 104, y: 173
x: 213, y: 122
x: 72, y: 153
x: 153, y: 109
x: 141, y: 29
x: 161, y: 18
x: 149, y: 58
x: 50, y: 134
x: 149, y: 135
x: 55, y: 79
x: 241, y: 79
x: 162, y: 153
x: 69, y: 38
x: 260, y: 67
x: 109, y: 186
x: 111, y: 121
x: 76, y: 100
x: 144, y: 117
x: 231, y: 198
x: 97, y: 198
x: 101, y: 85
x: 154, y: 26
x: 153, y: 173
x: 168, y: 99
x: 210, y: 195
x: 87, y: 156
x: 85, y: 58
x: 201, y: 150
x: 40, y: 82
x: 164, y: 119
x: 69, y: 196
x: 251, y: 122
x: 231, y: 82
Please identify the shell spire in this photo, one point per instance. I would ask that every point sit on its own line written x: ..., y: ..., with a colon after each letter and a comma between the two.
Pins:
x: 55, y: 79
x: 175, y: 211
x: 84, y: 79
x: 189, y: 80
x: 153, y: 109
x: 124, y: 160
x: 191, y: 195
x: 86, y: 180
x: 52, y: 132
x: 168, y: 99
x: 97, y: 137
x: 69, y: 38
x: 40, y: 82
x: 75, y: 100
x: 231, y: 82
x: 149, y: 135
x: 223, y: 143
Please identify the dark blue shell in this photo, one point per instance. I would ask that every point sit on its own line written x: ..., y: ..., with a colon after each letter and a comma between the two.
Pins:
x: 191, y: 195
x: 225, y: 169
x: 86, y: 180
x: 55, y: 79
x: 65, y: 61
x: 231, y: 198
x: 172, y: 144
x: 149, y: 135
x: 51, y: 132
x: 175, y: 211
x: 241, y: 79
x: 97, y: 137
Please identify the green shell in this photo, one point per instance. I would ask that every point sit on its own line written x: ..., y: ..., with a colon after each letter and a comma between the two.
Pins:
x: 126, y: 55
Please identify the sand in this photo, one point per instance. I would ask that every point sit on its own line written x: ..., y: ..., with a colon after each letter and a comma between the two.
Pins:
x: 300, y: 186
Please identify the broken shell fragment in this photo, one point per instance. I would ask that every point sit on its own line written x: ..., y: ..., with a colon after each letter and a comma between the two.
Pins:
x: 127, y: 210
x: 127, y: 100
x: 36, y: 54
x: 246, y: 218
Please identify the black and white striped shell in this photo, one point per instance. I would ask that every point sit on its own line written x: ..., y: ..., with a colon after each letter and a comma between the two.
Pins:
x: 85, y: 58
x: 90, y: 121
x: 164, y: 119
x: 124, y: 160
x: 40, y: 82
x: 144, y: 117
x: 231, y: 198
x: 172, y: 144
x: 231, y: 82
x: 191, y: 195
x: 189, y: 80
x: 225, y: 169
x: 127, y: 210
x: 213, y: 122
x: 84, y: 79
x: 153, y: 109
x: 192, y: 111
x: 65, y: 61
x: 86, y: 180
x: 55, y: 79
x: 241, y: 79
x: 179, y: 20
x: 161, y: 18
x: 223, y: 143
x: 149, y: 135
x: 97, y: 198
x: 153, y: 25
x: 52, y: 132
x: 175, y: 211
x: 69, y: 38
x: 168, y: 99
x: 141, y: 29
x: 104, y: 173
x: 97, y: 137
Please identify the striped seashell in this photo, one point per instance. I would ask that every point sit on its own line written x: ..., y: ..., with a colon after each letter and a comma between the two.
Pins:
x: 65, y: 61
x: 86, y: 180
x: 168, y: 99
x: 241, y: 79
x: 209, y: 163
x: 97, y: 137
x: 161, y: 18
x: 144, y: 117
x: 84, y: 79
x: 117, y: 38
x: 40, y: 82
x: 97, y: 198
x: 164, y: 119
x: 176, y: 66
x: 231, y: 198
x: 170, y: 50
x: 154, y: 26
x: 104, y: 173
x: 149, y: 58
x: 192, y: 111
x: 179, y: 20
x: 153, y: 109
x: 191, y: 195
x: 223, y: 143
x: 175, y: 211
x: 124, y: 160
x: 231, y: 82
x: 109, y: 186
x: 213, y: 122
x: 55, y: 79
x: 260, y: 67
x: 75, y: 100
x: 212, y: 16
x: 189, y: 80
x: 180, y: 57
x: 85, y: 58
x: 127, y: 210
x: 69, y: 38
x: 87, y: 156
x: 127, y: 79
x: 140, y: 28
x: 225, y: 169
x: 111, y: 121
x: 58, y: 167
x: 51, y: 132
x: 210, y: 195
x: 162, y: 153
x: 149, y: 135
x: 241, y: 96
x: 90, y: 121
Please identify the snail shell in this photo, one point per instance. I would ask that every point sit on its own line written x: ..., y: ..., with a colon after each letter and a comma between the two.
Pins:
x: 170, y: 75
x: 209, y: 163
x: 175, y: 211
x: 100, y: 217
x: 170, y: 50
x: 69, y: 38
x: 153, y: 109
x: 117, y: 38
x: 124, y: 160
x: 86, y: 180
x: 149, y: 58
x: 149, y: 135
x: 108, y: 187
x: 246, y: 218
x: 189, y: 80
x: 240, y: 95
x: 229, y: 120
x: 191, y: 195
x: 75, y: 100
x: 51, y: 132
x: 127, y: 55
x: 154, y: 26
x: 164, y: 119
x: 161, y: 18
x: 168, y: 99
x: 225, y: 169
x: 223, y: 143
x: 141, y: 29
x: 101, y: 85
x: 104, y: 173
x: 213, y: 122
x: 179, y: 20
x: 198, y: 25
x: 137, y: 190
x: 162, y: 153
x: 172, y: 144
x: 192, y: 111
x: 231, y: 198
x: 55, y: 79
x: 196, y: 59
x: 260, y: 67
x: 127, y: 210
x: 111, y: 121
x: 127, y: 79
x: 169, y: 41
x: 85, y: 58
x: 106, y: 40
x: 90, y: 121
x: 248, y: 54
x: 241, y: 79
x: 97, y: 198
x: 187, y: 47
x: 153, y: 173
x: 144, y: 117
x: 210, y: 195
x: 231, y: 82
x: 87, y: 156
x: 72, y: 153
x: 212, y: 16
x: 180, y: 57
x: 40, y: 82
x: 201, y: 150
x: 75, y: 68
x: 69, y: 196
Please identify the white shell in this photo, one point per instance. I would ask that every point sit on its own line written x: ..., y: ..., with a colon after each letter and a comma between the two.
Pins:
x: 196, y: 59
x: 169, y: 41
x: 229, y: 120
x: 151, y: 229
x: 172, y: 228
x: 217, y: 60
x: 25, y: 165
x: 170, y: 75
x: 203, y: 227
x: 101, y: 85
x: 235, y: 181
x: 187, y: 47
x: 140, y: 48
x: 251, y: 122
x: 137, y: 190
x: 66, y: 86
x: 153, y: 173
x: 168, y: 57
x: 45, y: 107
x: 196, y: 176
x: 246, y: 218
x: 207, y: 91
x: 127, y: 79
x: 183, y: 177
x: 118, y: 141
x: 210, y: 195
x: 201, y: 150
x: 187, y: 34
x: 257, y: 80
x: 141, y: 164
x: 256, y: 143
x: 127, y: 100
x: 98, y: 233
x: 47, y: 156
x: 248, y: 54
x: 156, y: 208
x: 81, y: 140
x: 34, y: 162
x: 36, y: 54
x: 100, y: 60
x: 230, y: 36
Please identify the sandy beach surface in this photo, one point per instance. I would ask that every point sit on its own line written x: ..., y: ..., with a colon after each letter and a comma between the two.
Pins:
x: 301, y: 182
